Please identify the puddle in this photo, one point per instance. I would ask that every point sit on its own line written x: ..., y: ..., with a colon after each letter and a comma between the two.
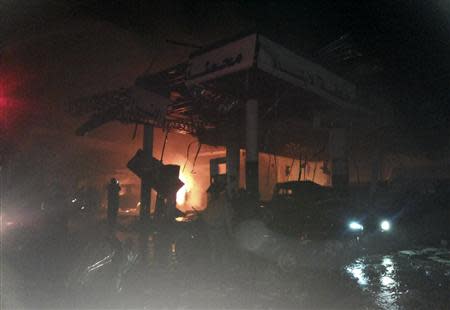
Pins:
x: 407, y: 280
x: 357, y: 271
x: 378, y: 276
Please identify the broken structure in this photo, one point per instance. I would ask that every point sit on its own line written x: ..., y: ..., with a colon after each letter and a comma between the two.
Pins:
x: 246, y: 93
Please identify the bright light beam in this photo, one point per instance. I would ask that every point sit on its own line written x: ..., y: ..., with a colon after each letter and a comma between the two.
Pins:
x: 385, y: 225
x: 355, y: 226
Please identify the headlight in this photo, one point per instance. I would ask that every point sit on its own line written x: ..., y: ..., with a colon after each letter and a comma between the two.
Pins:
x: 355, y: 226
x: 385, y: 225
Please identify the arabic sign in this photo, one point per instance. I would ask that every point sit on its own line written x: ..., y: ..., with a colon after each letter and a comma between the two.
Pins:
x: 274, y: 59
x: 150, y: 103
x: 280, y: 62
x: 230, y: 58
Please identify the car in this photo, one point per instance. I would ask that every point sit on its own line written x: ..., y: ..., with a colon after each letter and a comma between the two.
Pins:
x: 291, y: 205
x: 308, y: 210
x: 416, y: 209
x: 401, y: 212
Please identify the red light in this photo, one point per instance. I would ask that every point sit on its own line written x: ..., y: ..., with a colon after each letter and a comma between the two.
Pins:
x: 3, y: 100
x: 3, y: 103
x: 10, y: 106
x: 3, y: 109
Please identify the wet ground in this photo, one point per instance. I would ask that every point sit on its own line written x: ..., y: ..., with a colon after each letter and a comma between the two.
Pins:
x: 173, y: 268
x: 405, y: 280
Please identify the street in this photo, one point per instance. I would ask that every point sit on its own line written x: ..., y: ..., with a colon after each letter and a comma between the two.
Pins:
x: 154, y: 272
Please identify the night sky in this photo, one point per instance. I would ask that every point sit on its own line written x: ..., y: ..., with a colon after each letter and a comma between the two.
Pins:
x: 54, y: 51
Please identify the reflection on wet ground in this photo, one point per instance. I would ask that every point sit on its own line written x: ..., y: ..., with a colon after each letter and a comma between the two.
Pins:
x: 378, y: 276
x: 403, y: 280
x: 155, y: 269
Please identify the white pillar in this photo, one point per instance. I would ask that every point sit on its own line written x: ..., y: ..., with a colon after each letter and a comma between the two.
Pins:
x: 251, y: 134
x: 233, y: 158
x: 338, y: 157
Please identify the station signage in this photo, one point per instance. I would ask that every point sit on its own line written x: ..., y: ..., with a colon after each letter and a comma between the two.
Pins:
x: 227, y: 59
x: 290, y: 67
x: 257, y: 51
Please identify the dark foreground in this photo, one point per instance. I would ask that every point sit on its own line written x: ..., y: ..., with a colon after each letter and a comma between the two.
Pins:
x: 145, y: 269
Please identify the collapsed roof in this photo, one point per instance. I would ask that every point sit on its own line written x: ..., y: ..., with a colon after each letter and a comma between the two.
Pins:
x: 205, y: 96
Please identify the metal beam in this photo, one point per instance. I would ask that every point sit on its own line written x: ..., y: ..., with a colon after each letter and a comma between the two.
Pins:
x: 147, y: 145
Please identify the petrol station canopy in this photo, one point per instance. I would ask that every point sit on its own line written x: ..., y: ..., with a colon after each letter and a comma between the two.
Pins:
x: 205, y: 96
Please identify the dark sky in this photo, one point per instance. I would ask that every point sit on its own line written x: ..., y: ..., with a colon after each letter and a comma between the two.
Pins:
x: 403, y: 46
x: 408, y: 38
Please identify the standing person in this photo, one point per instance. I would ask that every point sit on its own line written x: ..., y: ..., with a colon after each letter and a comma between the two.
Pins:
x: 113, y: 201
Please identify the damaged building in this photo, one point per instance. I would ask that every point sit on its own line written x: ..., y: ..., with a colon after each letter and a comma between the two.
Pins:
x: 273, y: 116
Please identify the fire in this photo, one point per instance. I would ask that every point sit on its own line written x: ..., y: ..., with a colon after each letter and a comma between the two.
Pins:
x: 181, y: 195
x: 182, y: 192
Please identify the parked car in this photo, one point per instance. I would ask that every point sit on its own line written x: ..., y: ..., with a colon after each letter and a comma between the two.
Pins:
x: 417, y: 209
x: 402, y: 212
x: 310, y: 211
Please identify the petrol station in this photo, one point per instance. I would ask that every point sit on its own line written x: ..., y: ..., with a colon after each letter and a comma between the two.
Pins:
x: 247, y: 93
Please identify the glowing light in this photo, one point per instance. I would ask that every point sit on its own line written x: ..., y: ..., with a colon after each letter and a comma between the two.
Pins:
x: 385, y: 225
x: 388, y: 280
x: 181, y: 195
x: 355, y: 226
x: 179, y: 219
x: 182, y: 192
x: 357, y: 270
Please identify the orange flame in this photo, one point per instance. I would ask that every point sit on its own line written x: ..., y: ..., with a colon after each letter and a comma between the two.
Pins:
x: 183, y: 192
